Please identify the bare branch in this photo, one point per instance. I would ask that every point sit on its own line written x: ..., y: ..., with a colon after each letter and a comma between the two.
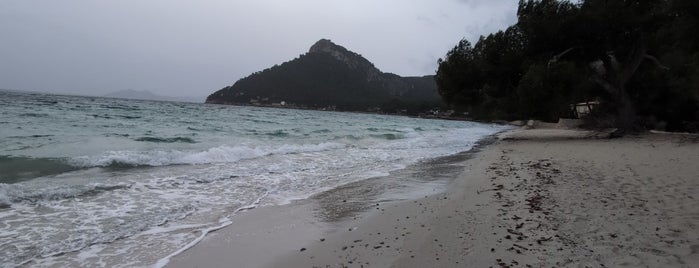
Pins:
x: 605, y: 85
x: 636, y: 56
x: 657, y: 62
x: 564, y: 52
x: 555, y: 58
x: 598, y: 67
x: 613, y: 62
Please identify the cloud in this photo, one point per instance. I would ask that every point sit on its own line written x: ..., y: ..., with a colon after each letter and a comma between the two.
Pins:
x: 194, y: 47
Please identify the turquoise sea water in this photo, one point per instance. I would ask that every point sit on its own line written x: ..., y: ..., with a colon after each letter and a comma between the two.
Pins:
x: 88, y: 181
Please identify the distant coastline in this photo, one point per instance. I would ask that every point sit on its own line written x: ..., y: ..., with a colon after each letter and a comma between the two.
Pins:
x: 434, y: 114
x: 114, y: 95
x: 147, y: 95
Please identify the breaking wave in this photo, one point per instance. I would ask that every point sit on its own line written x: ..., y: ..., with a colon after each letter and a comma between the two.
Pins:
x: 20, y: 168
x: 220, y: 154
x: 166, y: 140
x: 20, y: 193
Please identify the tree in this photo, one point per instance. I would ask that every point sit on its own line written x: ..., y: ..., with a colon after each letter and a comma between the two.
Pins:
x: 618, y: 39
x: 481, y: 79
x: 638, y: 56
x: 457, y: 78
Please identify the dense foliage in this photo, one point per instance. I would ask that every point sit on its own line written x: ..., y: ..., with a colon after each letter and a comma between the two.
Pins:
x: 332, y: 77
x: 639, y: 58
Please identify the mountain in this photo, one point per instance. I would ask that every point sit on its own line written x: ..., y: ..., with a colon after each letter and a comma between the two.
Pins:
x: 147, y: 95
x: 331, y: 77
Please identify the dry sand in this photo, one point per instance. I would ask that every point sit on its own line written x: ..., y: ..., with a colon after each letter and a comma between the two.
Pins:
x: 535, y: 198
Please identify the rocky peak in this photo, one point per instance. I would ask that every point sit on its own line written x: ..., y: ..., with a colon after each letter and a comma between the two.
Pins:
x: 353, y: 60
x: 326, y: 46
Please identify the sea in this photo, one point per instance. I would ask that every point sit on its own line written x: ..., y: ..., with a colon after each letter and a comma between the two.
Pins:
x: 102, y: 182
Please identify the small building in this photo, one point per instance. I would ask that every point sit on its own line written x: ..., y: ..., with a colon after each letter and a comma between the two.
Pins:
x: 583, y: 109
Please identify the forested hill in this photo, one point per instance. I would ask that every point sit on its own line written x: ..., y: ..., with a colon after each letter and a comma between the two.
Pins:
x: 639, y: 60
x: 332, y: 77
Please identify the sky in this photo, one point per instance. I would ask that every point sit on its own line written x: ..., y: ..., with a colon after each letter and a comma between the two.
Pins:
x: 195, y: 47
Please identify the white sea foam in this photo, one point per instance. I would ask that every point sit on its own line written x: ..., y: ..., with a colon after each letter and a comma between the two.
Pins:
x: 107, y: 212
x: 4, y: 199
x: 156, y: 203
x: 160, y: 229
x: 14, y: 193
x: 220, y: 154
x: 223, y: 222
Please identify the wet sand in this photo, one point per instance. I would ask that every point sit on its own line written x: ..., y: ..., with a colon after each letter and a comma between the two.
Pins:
x: 534, y: 198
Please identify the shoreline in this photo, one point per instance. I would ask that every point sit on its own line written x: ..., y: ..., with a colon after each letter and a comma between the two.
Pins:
x: 317, y: 214
x: 432, y: 117
x: 534, y: 198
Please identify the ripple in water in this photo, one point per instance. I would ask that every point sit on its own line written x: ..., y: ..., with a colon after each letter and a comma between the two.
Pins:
x: 131, y: 185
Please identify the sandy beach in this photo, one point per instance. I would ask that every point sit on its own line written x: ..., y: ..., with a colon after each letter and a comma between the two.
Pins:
x: 533, y: 198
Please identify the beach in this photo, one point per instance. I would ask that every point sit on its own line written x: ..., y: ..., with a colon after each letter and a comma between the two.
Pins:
x: 87, y: 181
x: 532, y: 198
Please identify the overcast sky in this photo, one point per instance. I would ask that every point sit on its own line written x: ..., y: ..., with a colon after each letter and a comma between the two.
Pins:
x: 194, y: 47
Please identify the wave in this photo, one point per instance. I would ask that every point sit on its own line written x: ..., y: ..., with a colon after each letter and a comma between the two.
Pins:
x: 101, y: 116
x: 120, y: 107
x: 221, y: 154
x: 384, y: 136
x: 106, y: 116
x: 18, y: 193
x: 128, y: 116
x: 166, y: 140
x: 388, y: 136
x: 116, y: 135
x: 34, y: 115
x: 20, y: 168
x: 30, y: 136
x: 45, y: 102
x: 277, y: 133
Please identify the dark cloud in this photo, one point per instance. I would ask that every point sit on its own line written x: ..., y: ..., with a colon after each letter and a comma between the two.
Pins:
x: 193, y: 47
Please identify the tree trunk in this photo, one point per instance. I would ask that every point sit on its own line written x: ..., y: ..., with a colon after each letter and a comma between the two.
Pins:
x: 613, y: 78
x: 626, y: 115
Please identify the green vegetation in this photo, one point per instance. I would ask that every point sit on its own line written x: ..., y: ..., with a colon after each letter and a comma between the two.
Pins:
x: 639, y: 59
x: 332, y: 77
